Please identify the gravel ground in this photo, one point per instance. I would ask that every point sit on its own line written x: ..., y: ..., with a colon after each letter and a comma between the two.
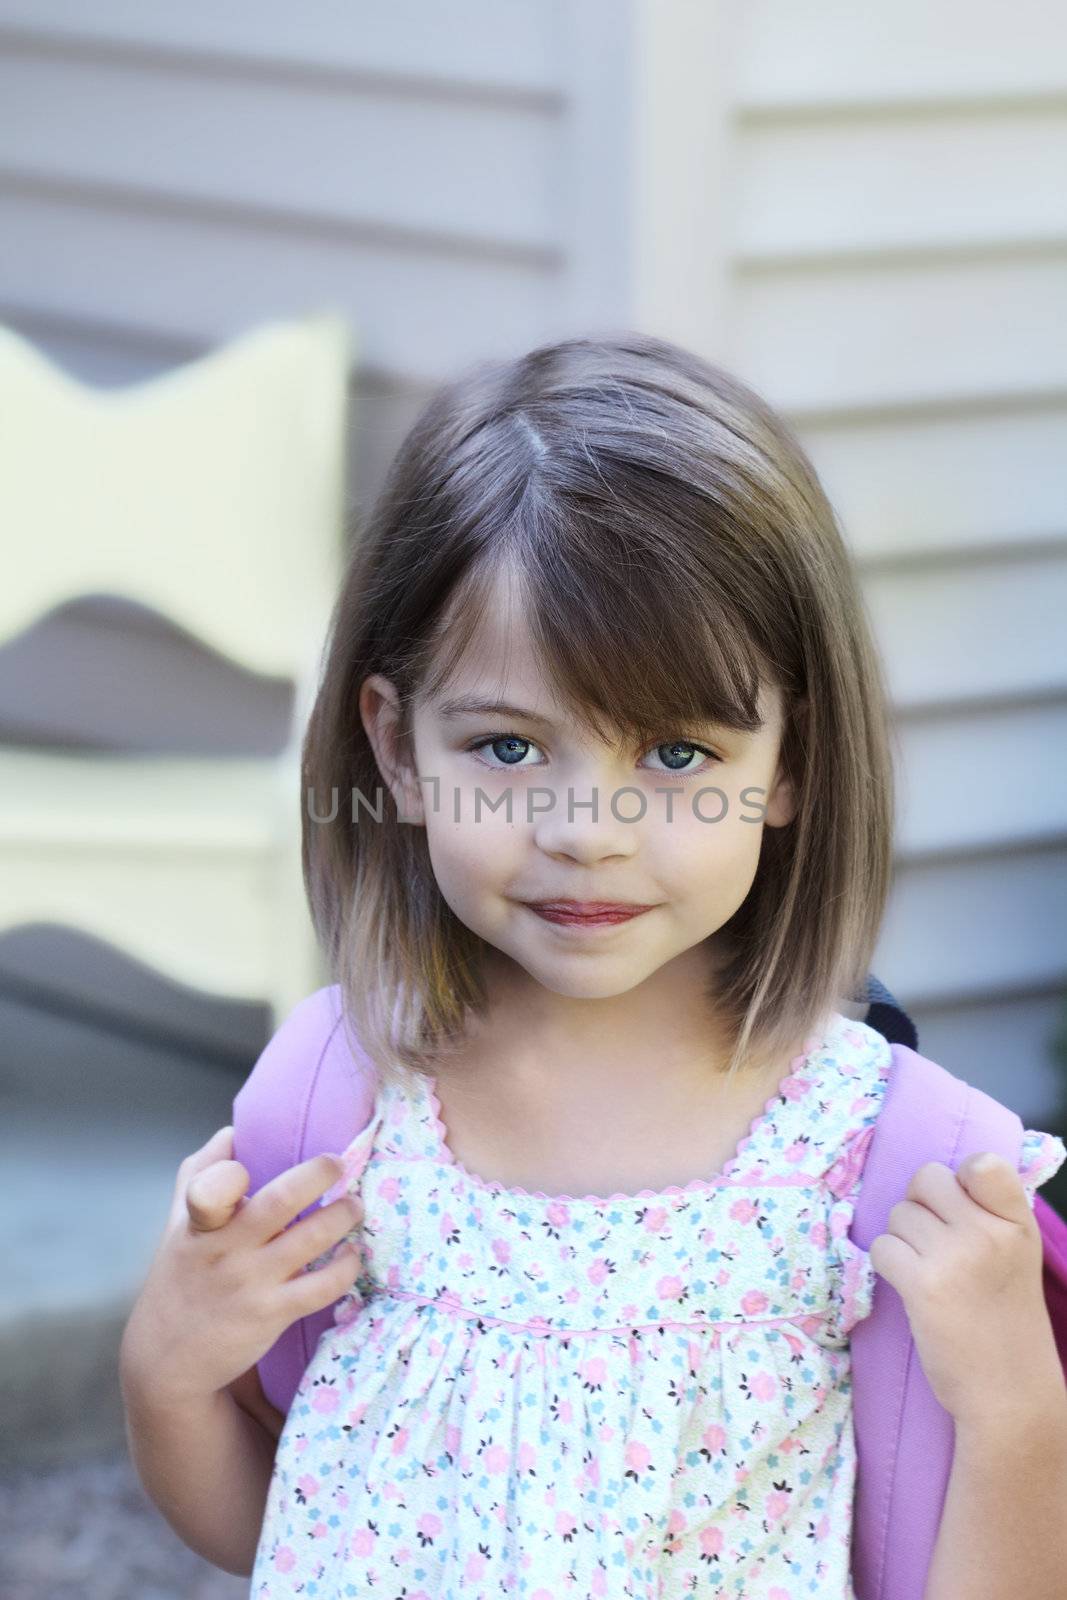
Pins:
x: 87, y: 1531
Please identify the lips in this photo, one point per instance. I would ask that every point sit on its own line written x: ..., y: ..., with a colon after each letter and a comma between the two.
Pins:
x: 585, y: 913
x: 588, y: 908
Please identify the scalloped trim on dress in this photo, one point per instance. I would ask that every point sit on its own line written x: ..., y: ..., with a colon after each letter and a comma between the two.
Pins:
x: 815, y: 1052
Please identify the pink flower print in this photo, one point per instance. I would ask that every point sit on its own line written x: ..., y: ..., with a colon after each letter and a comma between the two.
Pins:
x: 818, y: 1235
x: 744, y: 1210
x: 598, y: 1270
x: 795, y: 1087
x: 362, y: 1542
x: 526, y: 1459
x: 325, y: 1399
x: 307, y: 1488
x: 713, y: 1438
x: 822, y: 1527
x: 722, y: 1277
x: 638, y: 1459
x: 571, y: 1296
x: 427, y: 1528
x: 753, y: 1302
x: 671, y: 1287
x: 558, y: 1214
x: 400, y: 1441
x: 796, y: 1151
x: 496, y: 1458
x: 594, y: 1372
x: 319, y: 1531
x: 501, y: 1251
x: 284, y: 1559
x: 474, y: 1567
x: 711, y: 1543
x: 778, y: 1593
x: 452, y: 1438
x: 655, y: 1219
x: 390, y: 1190
x: 777, y: 1502
x: 763, y: 1386
x: 566, y: 1523
x: 839, y: 1224
x: 798, y: 1279
x: 629, y: 1312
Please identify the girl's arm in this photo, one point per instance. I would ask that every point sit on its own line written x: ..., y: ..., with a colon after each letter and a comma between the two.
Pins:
x: 206, y: 1464
x: 1003, y: 1531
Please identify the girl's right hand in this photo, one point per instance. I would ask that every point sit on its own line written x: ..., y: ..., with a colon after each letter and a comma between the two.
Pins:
x: 228, y: 1275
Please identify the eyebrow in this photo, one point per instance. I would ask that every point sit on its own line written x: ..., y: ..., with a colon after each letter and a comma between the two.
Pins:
x: 475, y: 706
x: 478, y: 706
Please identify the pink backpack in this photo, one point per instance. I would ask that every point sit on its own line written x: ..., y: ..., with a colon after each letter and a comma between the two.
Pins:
x: 307, y: 1093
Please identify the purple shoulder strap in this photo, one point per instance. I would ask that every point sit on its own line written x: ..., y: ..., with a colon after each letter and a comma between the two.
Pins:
x: 904, y: 1437
x: 306, y: 1094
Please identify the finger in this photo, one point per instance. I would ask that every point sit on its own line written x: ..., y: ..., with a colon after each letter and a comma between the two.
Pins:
x: 916, y: 1225
x: 273, y: 1207
x: 218, y: 1148
x: 213, y: 1196
x: 994, y: 1184
x: 934, y: 1186
x: 323, y: 1230
x: 894, y: 1260
x: 307, y: 1292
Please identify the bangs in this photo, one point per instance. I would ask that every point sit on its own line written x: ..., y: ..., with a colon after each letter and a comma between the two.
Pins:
x: 634, y: 639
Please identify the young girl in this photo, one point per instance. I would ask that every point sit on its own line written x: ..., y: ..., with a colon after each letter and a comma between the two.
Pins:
x: 598, y: 837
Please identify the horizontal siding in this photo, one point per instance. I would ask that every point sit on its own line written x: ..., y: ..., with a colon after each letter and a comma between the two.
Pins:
x: 373, y: 159
x: 989, y: 779
x: 974, y: 632
x: 814, y: 52
x: 935, y: 331
x: 966, y: 930
x: 916, y: 485
x: 418, y: 311
x: 875, y: 181
x: 469, y: 42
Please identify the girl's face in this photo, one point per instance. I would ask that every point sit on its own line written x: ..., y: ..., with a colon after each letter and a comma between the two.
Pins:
x: 689, y: 855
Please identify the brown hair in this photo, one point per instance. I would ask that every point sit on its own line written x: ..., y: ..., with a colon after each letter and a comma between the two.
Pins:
x: 674, y: 548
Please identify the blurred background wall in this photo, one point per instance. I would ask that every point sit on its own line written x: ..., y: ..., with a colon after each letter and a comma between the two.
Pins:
x: 861, y: 210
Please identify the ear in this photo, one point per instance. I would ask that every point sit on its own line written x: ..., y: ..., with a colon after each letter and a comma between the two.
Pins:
x: 379, y: 710
x: 782, y: 802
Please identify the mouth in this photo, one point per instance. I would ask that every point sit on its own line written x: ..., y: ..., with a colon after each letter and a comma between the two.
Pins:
x: 586, y: 913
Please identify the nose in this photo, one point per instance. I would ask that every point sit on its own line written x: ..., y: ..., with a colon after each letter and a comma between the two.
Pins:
x: 591, y: 822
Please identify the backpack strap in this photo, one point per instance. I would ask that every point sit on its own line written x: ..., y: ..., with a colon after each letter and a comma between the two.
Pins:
x: 904, y: 1437
x: 306, y: 1094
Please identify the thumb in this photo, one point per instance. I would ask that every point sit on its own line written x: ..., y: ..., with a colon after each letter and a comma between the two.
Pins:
x: 994, y: 1183
x: 218, y: 1148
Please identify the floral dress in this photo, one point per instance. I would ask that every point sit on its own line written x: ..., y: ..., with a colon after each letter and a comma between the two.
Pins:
x: 633, y: 1397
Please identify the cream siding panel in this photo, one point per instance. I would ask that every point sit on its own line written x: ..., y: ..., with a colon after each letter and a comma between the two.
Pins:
x: 908, y: 486
x: 814, y: 52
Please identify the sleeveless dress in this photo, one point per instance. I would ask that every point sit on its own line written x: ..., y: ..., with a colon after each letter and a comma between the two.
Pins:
x: 630, y: 1397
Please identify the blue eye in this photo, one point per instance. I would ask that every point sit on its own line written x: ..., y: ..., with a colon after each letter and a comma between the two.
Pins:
x: 502, y: 738
x: 513, y: 739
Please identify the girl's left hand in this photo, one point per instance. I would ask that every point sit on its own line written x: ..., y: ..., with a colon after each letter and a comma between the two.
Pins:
x: 964, y: 1252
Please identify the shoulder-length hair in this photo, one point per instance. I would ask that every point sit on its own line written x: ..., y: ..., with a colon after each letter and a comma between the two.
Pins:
x: 674, y: 548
